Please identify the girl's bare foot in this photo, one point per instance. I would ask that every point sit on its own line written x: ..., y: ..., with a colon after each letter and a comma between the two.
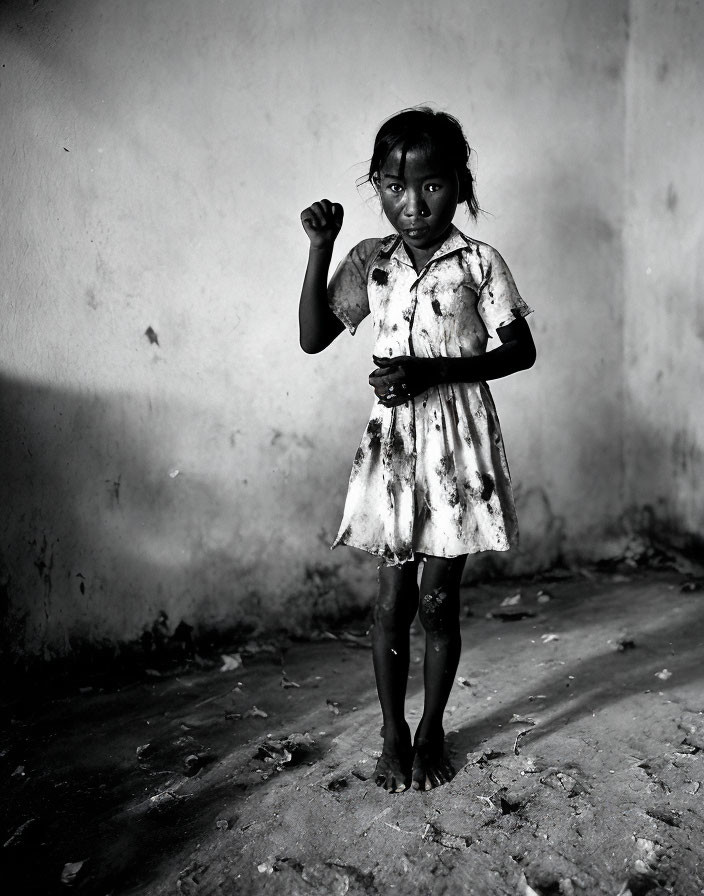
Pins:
x: 393, y: 770
x: 431, y: 768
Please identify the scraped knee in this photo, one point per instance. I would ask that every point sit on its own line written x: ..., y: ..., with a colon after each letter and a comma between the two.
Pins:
x: 436, y: 611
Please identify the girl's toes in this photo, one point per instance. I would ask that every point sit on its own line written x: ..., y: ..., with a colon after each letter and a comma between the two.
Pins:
x: 419, y: 778
x: 429, y: 772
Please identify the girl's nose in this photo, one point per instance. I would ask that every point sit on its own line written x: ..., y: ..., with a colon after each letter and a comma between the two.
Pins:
x: 415, y: 205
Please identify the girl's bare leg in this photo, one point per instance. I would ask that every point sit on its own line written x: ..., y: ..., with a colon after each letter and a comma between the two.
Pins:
x: 439, y: 616
x: 395, y: 609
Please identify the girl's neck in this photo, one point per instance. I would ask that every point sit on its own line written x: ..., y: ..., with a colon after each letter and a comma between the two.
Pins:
x: 420, y: 256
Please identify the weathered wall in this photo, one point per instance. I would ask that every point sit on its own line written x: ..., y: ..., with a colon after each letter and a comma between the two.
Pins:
x: 155, y: 156
x: 664, y: 240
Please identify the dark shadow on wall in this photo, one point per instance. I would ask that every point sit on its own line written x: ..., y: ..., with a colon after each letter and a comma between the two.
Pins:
x: 98, y: 534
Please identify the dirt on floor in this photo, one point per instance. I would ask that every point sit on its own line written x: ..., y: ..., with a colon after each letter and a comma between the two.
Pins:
x: 576, y: 726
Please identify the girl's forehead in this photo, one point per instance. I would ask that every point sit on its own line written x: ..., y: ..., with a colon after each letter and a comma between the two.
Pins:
x: 414, y: 161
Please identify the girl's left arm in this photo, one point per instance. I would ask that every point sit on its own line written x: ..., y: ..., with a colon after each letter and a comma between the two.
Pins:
x: 410, y: 376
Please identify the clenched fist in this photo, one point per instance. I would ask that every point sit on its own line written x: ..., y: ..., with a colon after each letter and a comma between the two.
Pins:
x: 322, y: 222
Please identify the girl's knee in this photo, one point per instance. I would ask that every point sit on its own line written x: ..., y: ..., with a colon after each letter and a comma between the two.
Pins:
x: 396, y: 604
x: 439, y: 611
x: 391, y: 617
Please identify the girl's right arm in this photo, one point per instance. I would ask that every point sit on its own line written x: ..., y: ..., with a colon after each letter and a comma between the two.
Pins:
x: 318, y: 325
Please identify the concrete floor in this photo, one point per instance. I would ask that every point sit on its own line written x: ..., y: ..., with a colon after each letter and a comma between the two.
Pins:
x: 576, y: 726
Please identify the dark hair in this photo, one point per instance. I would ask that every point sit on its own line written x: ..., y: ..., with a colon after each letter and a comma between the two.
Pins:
x: 436, y: 133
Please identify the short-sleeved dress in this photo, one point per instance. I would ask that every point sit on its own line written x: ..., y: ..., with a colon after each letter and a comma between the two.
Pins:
x: 430, y: 476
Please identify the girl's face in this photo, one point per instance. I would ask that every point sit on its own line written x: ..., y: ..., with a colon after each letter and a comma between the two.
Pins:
x: 419, y: 198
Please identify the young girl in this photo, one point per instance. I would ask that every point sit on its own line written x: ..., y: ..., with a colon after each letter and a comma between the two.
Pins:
x: 430, y: 483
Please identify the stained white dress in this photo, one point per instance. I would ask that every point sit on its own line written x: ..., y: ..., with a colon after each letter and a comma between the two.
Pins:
x: 430, y: 476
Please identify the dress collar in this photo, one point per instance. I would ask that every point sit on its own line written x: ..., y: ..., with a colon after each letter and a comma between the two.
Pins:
x: 454, y: 241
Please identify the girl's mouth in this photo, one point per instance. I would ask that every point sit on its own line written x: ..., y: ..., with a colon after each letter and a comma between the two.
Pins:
x: 415, y: 233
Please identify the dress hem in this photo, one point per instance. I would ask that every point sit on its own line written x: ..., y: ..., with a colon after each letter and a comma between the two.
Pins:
x: 399, y: 562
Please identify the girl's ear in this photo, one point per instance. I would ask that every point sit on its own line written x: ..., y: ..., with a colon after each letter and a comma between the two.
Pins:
x: 376, y: 181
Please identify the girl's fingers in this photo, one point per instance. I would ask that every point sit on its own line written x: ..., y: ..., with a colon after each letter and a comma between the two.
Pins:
x: 312, y: 218
x: 383, y: 383
x: 338, y: 214
x: 393, y: 395
x: 390, y: 379
x: 321, y: 222
x: 321, y: 216
x: 388, y: 373
x: 309, y: 223
x: 327, y: 213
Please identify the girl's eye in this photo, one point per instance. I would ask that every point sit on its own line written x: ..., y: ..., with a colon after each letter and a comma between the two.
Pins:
x: 433, y: 188
x: 395, y: 188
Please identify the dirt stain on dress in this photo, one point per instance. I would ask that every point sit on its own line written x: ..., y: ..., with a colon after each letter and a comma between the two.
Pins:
x: 374, y: 433
x: 488, y: 486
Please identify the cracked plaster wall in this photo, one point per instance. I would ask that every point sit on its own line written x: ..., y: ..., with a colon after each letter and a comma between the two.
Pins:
x: 165, y: 444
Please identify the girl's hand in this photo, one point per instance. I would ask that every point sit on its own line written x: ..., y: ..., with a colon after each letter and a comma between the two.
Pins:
x: 322, y: 222
x: 396, y: 380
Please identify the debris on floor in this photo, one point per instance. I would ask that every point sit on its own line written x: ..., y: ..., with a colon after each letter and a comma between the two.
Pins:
x: 230, y: 662
x: 578, y: 760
